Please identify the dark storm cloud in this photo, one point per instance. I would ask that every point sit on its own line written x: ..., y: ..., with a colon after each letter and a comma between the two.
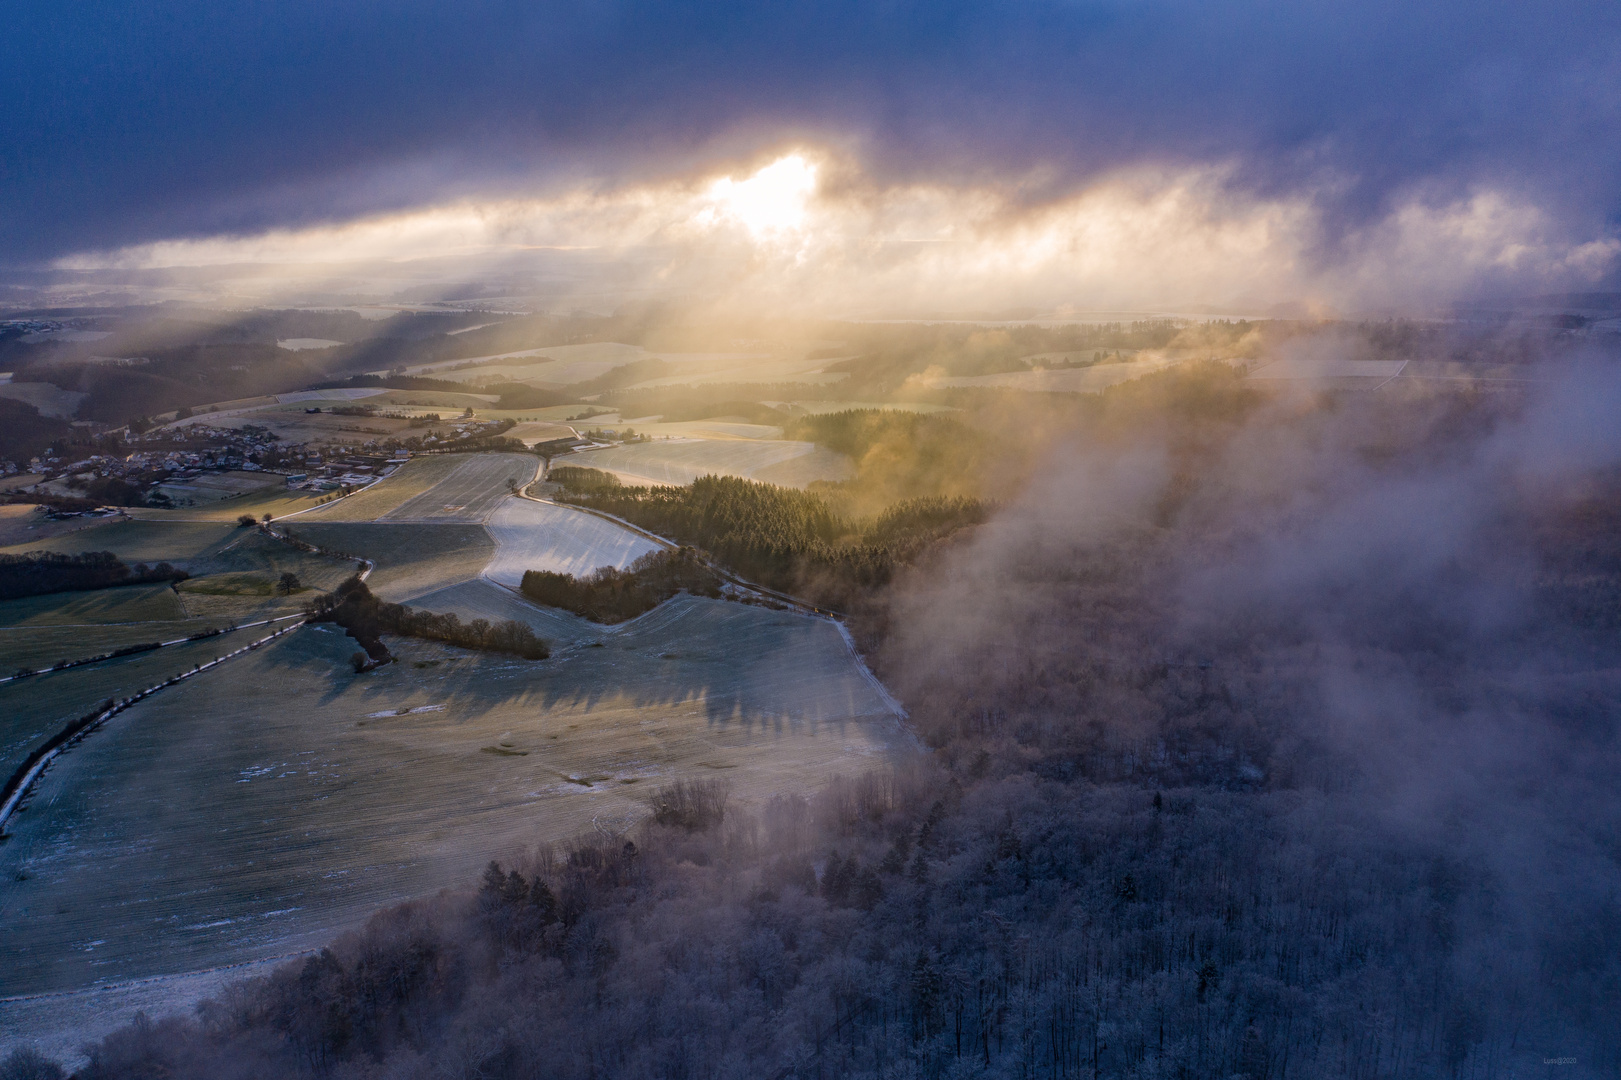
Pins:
x: 125, y: 122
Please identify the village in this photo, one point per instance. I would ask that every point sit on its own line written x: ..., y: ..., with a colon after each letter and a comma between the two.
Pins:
x: 185, y: 465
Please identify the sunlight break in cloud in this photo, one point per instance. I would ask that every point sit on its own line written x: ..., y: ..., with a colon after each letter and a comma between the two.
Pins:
x: 776, y: 236
x: 773, y: 200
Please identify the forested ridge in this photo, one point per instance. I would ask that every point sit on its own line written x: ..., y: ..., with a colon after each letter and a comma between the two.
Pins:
x: 783, y: 538
x: 1268, y: 736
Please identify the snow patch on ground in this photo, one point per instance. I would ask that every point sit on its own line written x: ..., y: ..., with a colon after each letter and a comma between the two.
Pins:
x: 532, y: 535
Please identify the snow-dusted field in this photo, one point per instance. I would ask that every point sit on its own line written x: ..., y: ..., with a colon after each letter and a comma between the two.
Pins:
x: 483, y: 599
x: 681, y: 461
x: 263, y: 806
x: 533, y: 535
x: 341, y: 393
x: 49, y: 399
x: 436, y: 489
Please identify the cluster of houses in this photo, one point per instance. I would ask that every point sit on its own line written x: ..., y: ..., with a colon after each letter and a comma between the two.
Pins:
x: 169, y: 456
x: 344, y: 468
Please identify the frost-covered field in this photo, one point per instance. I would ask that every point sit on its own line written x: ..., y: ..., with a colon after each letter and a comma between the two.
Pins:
x: 261, y: 806
x: 410, y: 559
x: 34, y: 709
x: 532, y: 535
x: 49, y: 399
x: 531, y: 433
x: 435, y: 489
x: 681, y: 461
x: 483, y: 599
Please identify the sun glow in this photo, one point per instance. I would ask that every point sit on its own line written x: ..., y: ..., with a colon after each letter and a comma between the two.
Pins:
x: 779, y: 236
x: 772, y: 201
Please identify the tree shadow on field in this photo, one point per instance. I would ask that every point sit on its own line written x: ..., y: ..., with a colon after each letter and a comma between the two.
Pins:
x: 763, y: 672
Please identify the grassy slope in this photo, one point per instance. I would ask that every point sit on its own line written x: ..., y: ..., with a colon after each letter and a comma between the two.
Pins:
x: 273, y: 501
x: 425, y: 485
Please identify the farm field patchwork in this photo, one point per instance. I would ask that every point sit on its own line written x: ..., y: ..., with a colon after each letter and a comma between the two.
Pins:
x: 213, y: 487
x: 275, y: 500
x: 532, y: 535
x: 298, y: 820
x: 410, y: 560
x: 406, y: 483
x: 258, y: 808
x: 681, y: 461
x: 234, y: 573
x: 437, y: 488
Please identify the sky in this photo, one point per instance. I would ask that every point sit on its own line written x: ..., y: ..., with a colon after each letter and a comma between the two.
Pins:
x: 1088, y: 152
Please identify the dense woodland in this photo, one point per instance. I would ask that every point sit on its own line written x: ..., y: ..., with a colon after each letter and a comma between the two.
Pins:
x: 1270, y: 734
x: 782, y: 538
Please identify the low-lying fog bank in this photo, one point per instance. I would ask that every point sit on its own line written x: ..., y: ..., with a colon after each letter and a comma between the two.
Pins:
x: 1275, y: 736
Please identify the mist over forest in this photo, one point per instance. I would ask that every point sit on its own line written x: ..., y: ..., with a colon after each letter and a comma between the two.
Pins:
x: 1265, y: 731
x: 772, y: 541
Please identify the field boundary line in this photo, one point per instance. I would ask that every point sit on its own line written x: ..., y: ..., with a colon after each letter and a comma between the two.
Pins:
x: 1396, y: 376
x: 873, y: 680
x: 23, y: 780
x: 34, y: 766
x: 137, y: 650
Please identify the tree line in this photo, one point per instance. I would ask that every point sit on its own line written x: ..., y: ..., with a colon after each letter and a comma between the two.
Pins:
x: 35, y: 573
x: 780, y: 537
x: 611, y: 595
x: 366, y: 618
